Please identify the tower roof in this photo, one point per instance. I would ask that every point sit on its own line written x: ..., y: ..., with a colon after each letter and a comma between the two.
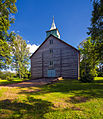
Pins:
x: 54, y: 31
x: 53, y: 25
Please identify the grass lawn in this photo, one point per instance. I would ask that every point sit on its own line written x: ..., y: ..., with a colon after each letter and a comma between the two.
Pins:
x: 67, y: 99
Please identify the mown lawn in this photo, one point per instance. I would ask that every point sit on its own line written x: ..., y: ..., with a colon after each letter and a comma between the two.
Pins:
x: 67, y: 99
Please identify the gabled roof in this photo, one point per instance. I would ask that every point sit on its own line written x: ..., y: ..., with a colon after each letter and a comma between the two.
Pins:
x: 57, y: 39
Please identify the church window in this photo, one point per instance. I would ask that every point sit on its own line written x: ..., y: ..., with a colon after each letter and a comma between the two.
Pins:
x: 51, y: 63
x: 51, y: 51
x: 51, y: 41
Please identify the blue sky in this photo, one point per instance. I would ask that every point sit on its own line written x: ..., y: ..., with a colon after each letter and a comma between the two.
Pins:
x: 34, y: 17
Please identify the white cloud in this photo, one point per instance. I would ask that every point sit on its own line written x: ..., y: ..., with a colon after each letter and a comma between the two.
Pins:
x: 33, y: 48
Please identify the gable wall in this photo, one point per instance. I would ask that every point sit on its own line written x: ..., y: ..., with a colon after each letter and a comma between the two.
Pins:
x: 65, y: 60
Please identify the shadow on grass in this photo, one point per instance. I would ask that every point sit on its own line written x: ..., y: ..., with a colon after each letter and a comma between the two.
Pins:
x: 77, y: 88
x: 77, y: 99
x: 29, y: 109
x: 81, y: 92
x: 32, y: 108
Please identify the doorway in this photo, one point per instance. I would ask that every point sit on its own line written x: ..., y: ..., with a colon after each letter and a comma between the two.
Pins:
x: 51, y: 73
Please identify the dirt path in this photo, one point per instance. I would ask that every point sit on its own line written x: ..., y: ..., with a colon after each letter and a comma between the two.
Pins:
x: 30, y: 83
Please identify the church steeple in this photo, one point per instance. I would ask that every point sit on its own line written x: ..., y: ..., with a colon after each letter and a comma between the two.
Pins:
x: 53, y: 25
x: 53, y: 30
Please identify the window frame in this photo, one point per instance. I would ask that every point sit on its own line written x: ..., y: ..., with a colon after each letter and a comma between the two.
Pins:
x: 51, y: 41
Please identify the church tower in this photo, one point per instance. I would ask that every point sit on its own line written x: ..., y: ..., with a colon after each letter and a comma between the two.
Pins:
x: 54, y: 31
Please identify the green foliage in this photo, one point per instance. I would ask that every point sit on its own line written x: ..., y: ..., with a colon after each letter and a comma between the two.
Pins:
x: 100, y: 71
x: 4, y: 54
x: 20, y: 57
x: 7, y: 8
x: 96, y: 29
x: 92, y: 48
x: 89, y: 60
x: 6, y: 75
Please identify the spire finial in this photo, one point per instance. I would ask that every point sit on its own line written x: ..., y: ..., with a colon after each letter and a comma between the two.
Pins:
x: 53, y: 18
x: 53, y: 25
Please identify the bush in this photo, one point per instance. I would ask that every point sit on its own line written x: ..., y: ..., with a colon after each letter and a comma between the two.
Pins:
x: 25, y: 75
x: 7, y: 75
x: 87, y: 78
x: 2, y: 75
x: 87, y: 74
x: 100, y: 74
x: 9, y: 78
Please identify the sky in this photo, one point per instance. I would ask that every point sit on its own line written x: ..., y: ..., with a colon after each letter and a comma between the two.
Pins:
x: 34, y: 17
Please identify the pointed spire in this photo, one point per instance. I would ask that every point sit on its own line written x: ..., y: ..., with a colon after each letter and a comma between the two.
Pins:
x: 53, y: 25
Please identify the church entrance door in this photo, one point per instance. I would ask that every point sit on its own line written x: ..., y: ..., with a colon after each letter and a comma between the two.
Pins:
x: 51, y: 73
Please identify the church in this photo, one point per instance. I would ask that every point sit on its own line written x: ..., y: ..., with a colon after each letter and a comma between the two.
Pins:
x: 55, y: 58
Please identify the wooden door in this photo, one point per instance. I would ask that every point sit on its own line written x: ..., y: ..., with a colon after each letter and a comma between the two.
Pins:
x: 51, y: 73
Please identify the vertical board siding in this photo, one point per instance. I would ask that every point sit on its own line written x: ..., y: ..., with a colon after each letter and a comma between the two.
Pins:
x: 65, y: 60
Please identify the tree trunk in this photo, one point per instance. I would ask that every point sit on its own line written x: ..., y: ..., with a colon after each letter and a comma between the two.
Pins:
x: 19, y: 71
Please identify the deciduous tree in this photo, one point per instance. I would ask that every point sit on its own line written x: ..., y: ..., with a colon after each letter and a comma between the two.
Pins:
x: 7, y: 9
x: 20, y: 56
x: 89, y: 60
x: 96, y: 29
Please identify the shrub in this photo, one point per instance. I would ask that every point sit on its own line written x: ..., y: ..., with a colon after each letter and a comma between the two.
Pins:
x: 87, y: 74
x: 7, y: 75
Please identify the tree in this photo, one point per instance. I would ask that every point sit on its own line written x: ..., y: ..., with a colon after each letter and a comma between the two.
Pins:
x: 88, y: 60
x: 96, y: 29
x: 7, y: 8
x: 20, y: 56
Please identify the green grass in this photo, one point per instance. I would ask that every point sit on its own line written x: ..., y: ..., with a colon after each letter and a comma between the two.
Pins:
x: 15, y: 80
x: 67, y: 99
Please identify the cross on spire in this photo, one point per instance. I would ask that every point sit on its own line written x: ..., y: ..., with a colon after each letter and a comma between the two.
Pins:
x: 53, y: 25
